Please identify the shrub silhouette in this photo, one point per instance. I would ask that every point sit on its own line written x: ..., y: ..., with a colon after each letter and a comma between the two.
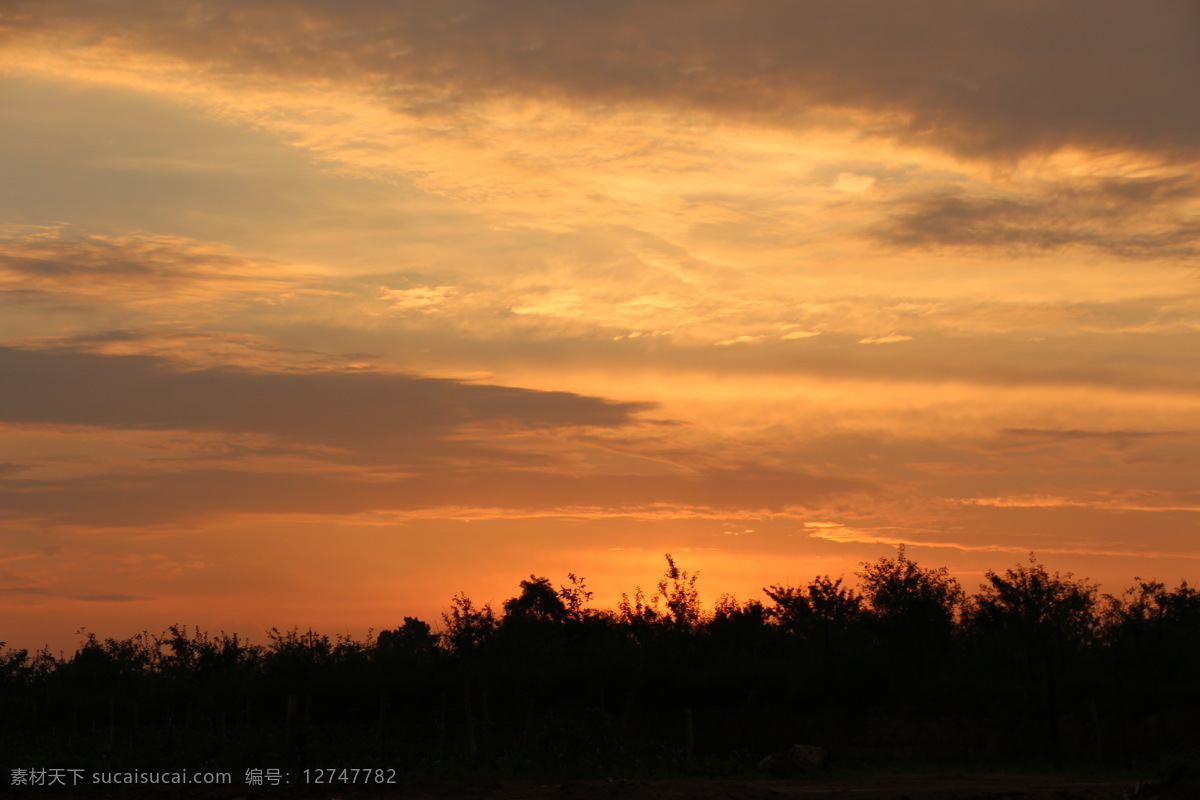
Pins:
x: 677, y: 589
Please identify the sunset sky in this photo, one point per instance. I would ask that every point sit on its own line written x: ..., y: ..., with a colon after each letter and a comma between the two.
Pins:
x: 318, y: 313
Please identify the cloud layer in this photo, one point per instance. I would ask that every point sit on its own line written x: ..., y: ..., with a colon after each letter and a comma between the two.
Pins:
x: 989, y: 78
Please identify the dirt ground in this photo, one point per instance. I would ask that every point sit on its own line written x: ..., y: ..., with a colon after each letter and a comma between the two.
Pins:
x: 883, y: 787
x: 905, y: 787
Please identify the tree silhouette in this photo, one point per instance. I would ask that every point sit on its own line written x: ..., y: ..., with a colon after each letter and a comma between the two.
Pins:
x: 1045, y: 610
x: 414, y: 636
x: 1152, y: 638
x: 575, y: 598
x: 816, y: 611
x: 467, y: 627
x: 1047, y: 618
x: 538, y: 601
x: 821, y: 614
x: 914, y: 610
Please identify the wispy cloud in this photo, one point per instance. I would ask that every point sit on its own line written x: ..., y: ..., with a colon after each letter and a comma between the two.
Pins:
x: 163, y: 497
x: 888, y: 339
x: 425, y: 299
x: 847, y: 535
x: 743, y: 339
x: 1132, y: 501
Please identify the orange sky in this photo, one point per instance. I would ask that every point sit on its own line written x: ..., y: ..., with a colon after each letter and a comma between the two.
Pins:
x: 318, y: 313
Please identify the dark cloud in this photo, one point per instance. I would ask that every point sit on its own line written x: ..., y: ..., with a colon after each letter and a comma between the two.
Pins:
x: 389, y: 417
x: 39, y: 591
x: 127, y: 265
x: 111, y: 266
x: 1149, y: 192
x: 1125, y: 218
x: 1079, y: 434
x: 1118, y: 439
x: 989, y: 78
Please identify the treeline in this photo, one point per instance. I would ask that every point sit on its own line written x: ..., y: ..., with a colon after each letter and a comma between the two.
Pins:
x: 903, y: 668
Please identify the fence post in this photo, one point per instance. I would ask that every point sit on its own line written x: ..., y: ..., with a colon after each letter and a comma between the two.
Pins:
x: 472, y: 746
x: 289, y: 721
x: 689, y: 734
x: 1099, y: 734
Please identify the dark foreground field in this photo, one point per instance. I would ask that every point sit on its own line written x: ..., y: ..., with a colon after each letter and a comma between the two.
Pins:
x: 877, y: 787
x: 880, y: 787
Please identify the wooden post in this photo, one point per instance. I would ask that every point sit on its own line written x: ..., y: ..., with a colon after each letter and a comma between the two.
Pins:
x: 111, y: 723
x: 472, y: 745
x: 289, y: 721
x: 689, y: 734
x: 1099, y: 735
x: 745, y: 719
x: 1053, y: 732
x: 442, y: 713
x: 1121, y: 729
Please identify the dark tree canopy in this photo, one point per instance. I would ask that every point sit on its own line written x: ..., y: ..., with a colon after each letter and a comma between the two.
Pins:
x: 899, y: 591
x: 1043, y: 608
x: 538, y: 601
x: 821, y: 606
